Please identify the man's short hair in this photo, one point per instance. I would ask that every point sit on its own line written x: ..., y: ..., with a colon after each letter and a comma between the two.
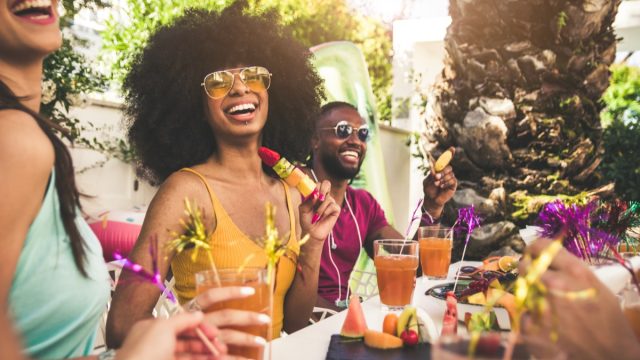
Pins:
x: 330, y: 106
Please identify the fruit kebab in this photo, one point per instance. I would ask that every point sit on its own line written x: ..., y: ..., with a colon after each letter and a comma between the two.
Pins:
x: 288, y: 172
x: 450, y: 320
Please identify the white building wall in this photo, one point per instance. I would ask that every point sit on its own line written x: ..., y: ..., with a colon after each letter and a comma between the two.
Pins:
x: 398, y: 172
x: 109, y: 185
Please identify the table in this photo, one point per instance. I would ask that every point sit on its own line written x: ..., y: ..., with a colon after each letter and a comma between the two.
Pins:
x: 312, y: 342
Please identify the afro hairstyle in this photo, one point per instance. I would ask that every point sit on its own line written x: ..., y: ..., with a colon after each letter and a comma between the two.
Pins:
x: 165, y: 104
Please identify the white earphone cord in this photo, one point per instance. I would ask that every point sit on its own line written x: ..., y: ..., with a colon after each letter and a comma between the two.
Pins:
x: 331, y: 244
x: 359, y: 241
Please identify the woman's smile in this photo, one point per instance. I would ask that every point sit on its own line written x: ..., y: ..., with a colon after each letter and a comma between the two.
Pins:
x: 243, y: 111
x: 39, y: 12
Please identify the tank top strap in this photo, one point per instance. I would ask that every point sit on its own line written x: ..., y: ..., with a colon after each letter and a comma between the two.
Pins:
x: 215, y: 203
x: 219, y: 210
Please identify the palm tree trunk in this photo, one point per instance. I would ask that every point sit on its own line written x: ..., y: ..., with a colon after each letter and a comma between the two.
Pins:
x: 519, y: 98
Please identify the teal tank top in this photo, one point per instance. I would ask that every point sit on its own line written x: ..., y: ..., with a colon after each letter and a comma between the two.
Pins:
x: 55, y: 309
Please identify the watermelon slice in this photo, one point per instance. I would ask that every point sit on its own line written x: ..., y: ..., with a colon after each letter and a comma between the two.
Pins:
x: 354, y: 324
x: 450, y: 320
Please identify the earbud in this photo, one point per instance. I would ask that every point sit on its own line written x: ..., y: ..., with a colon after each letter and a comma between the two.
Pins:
x: 333, y: 246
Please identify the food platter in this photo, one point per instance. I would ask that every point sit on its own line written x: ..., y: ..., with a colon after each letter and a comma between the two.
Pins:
x: 440, y: 291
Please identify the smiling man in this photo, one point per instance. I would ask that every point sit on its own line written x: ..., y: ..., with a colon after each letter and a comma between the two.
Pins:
x: 339, y: 146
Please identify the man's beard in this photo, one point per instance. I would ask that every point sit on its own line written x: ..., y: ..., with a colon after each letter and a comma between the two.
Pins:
x: 336, y: 170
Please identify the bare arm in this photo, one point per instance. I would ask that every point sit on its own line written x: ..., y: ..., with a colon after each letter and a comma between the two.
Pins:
x: 134, y: 300
x: 385, y: 232
x: 301, y: 297
x: 22, y: 190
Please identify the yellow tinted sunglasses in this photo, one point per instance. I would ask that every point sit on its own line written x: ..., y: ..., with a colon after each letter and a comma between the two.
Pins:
x: 219, y: 83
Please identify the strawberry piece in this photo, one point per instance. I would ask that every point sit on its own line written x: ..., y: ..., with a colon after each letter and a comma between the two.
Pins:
x: 268, y: 156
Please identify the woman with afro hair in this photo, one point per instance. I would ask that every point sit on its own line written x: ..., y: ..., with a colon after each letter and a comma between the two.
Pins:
x: 202, y: 97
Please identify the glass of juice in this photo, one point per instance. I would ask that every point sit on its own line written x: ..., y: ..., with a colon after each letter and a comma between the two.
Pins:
x: 259, y: 302
x: 396, y: 263
x: 435, y: 251
x: 631, y: 307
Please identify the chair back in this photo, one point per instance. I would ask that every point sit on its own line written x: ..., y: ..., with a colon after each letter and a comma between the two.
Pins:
x: 364, y: 283
x: 320, y: 313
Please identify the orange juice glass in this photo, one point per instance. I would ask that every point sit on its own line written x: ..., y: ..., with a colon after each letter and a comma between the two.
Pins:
x: 435, y: 251
x: 396, y: 263
x: 259, y: 302
x: 632, y: 313
x: 631, y: 307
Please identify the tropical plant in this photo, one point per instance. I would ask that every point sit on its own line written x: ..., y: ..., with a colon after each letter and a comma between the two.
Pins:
x: 66, y: 74
x: 621, y: 119
x: 68, y: 79
x: 312, y: 22
x: 128, y: 28
x: 519, y: 98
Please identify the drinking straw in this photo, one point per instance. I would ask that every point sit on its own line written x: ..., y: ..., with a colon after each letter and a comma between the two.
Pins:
x: 465, y: 216
x: 273, y: 252
x: 205, y: 340
x: 413, y: 218
x: 274, y: 248
x: 195, y: 236
x: 155, y: 279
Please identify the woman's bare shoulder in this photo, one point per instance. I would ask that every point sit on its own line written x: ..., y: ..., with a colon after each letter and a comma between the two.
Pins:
x: 182, y: 183
x: 23, y: 142
x: 180, y: 186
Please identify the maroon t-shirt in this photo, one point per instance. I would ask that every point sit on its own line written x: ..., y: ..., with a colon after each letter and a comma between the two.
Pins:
x: 370, y: 218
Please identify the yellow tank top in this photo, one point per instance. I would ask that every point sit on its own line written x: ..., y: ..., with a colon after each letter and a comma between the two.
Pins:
x: 229, y: 248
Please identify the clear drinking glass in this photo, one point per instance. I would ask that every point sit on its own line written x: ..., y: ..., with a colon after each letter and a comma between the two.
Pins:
x: 435, y: 251
x: 259, y: 302
x: 630, y: 301
x: 396, y: 262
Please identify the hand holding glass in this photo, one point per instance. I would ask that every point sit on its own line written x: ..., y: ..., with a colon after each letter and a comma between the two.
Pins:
x: 259, y: 302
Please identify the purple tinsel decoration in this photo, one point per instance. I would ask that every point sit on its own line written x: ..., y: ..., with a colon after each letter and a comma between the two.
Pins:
x: 575, y: 222
x: 467, y: 221
x: 137, y: 269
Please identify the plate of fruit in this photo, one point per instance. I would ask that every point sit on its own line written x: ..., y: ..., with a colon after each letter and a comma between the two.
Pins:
x: 477, y: 285
x: 404, y: 336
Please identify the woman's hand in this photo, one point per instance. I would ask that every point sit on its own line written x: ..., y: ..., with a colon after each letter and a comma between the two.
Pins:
x: 319, y: 214
x: 224, y: 319
x: 172, y: 338
x: 589, y: 327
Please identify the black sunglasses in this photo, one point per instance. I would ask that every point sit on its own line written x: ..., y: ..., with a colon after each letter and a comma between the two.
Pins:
x: 343, y: 130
